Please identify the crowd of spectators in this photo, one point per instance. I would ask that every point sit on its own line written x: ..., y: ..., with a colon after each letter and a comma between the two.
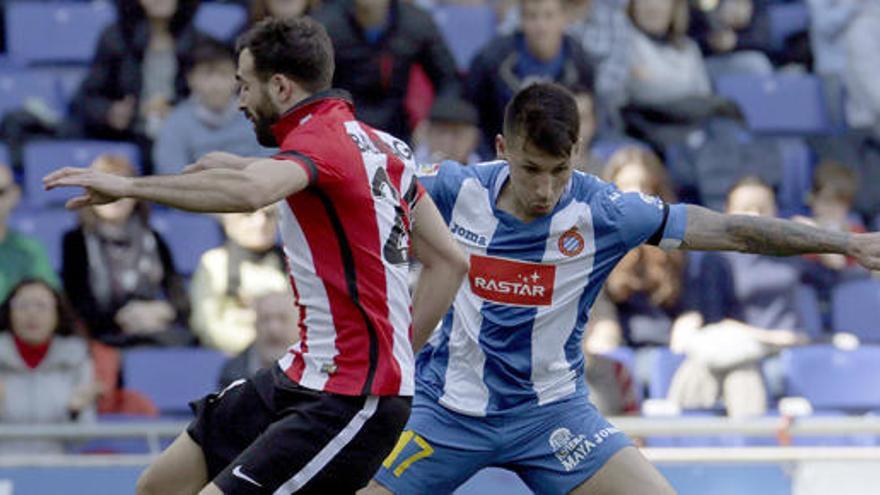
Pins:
x: 643, y: 73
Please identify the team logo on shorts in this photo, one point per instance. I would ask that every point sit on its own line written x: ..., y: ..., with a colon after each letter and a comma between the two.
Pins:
x: 571, y: 243
x: 570, y: 450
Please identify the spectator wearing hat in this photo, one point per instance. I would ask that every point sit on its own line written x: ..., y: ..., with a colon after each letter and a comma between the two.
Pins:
x: 451, y: 132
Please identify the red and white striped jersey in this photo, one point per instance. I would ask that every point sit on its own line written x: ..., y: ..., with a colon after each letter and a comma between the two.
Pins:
x: 346, y: 239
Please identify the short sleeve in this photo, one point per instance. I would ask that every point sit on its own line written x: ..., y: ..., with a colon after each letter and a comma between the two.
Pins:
x: 442, y: 182
x: 319, y: 171
x: 647, y: 219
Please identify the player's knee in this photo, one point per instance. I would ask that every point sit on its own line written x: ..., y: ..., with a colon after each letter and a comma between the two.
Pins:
x: 374, y: 489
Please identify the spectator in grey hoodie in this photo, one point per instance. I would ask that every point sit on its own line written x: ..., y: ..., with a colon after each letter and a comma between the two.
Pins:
x: 209, y: 120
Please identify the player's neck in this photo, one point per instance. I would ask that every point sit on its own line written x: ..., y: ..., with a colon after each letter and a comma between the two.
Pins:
x: 508, y: 203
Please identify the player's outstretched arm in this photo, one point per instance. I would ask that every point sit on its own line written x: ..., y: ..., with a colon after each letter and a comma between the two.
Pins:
x: 708, y: 230
x: 444, y: 265
x: 217, y: 190
x: 220, y: 159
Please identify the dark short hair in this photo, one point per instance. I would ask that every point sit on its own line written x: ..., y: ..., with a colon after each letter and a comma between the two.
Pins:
x: 298, y: 48
x: 546, y: 116
x: 68, y: 321
x: 211, y: 51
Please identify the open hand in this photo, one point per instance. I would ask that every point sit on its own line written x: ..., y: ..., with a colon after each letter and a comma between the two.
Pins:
x: 100, y: 188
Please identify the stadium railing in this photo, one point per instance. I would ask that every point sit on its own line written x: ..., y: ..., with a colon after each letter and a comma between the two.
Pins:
x: 155, y: 431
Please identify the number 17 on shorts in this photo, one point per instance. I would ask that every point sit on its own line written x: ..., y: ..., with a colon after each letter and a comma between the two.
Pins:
x: 398, y: 465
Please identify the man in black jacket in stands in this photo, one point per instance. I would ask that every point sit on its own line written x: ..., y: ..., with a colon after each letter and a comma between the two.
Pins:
x: 539, y: 51
x: 376, y: 43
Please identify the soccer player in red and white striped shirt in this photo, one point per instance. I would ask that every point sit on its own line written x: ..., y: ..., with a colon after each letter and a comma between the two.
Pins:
x: 351, y: 215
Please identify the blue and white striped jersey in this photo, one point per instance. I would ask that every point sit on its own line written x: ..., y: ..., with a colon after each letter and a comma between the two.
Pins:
x: 512, y: 338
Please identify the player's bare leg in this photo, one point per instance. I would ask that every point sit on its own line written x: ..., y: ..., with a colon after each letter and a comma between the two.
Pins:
x: 626, y: 472
x: 211, y: 489
x: 179, y: 470
x: 374, y: 488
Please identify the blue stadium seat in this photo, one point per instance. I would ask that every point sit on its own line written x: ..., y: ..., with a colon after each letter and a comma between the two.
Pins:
x: 4, y: 155
x: 797, y: 177
x: 68, y: 80
x: 781, y: 103
x: 855, y: 308
x: 785, y: 20
x: 28, y: 87
x: 46, y: 225
x: 466, y: 29
x: 625, y: 356
x: 172, y: 377
x: 729, y: 479
x: 665, y: 366
x: 221, y: 20
x: 188, y: 236
x: 834, y: 379
x: 809, y: 312
x: 41, y: 157
x: 55, y: 32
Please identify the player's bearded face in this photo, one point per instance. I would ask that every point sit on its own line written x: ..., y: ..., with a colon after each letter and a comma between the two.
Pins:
x: 263, y: 115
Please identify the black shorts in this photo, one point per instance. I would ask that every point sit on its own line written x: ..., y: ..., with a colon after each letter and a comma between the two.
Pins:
x: 270, y: 435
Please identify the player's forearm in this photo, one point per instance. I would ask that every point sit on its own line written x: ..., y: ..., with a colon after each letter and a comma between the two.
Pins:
x: 234, y: 162
x: 434, y: 292
x: 215, y: 190
x: 708, y: 230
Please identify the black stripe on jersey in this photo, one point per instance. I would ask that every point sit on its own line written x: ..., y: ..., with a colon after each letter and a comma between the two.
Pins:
x: 658, y: 236
x: 306, y: 161
x: 350, y: 275
x: 410, y: 196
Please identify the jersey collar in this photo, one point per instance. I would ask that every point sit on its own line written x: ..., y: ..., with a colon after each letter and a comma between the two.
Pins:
x: 302, y: 111
x: 504, y: 175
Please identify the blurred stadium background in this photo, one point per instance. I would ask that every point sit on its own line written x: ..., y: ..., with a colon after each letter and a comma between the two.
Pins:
x: 821, y: 430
